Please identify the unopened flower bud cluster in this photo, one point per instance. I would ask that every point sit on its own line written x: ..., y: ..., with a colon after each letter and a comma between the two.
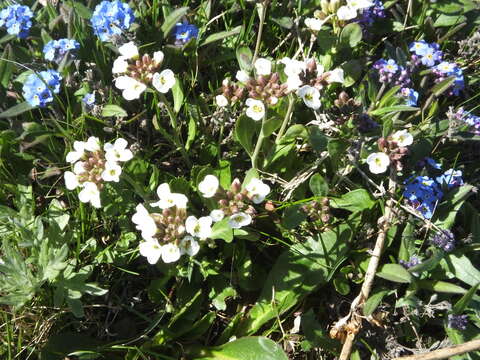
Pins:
x: 318, y: 210
x: 93, y: 165
x: 137, y: 72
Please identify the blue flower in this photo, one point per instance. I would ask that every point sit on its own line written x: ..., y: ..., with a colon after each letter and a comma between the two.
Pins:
x: 55, y: 50
x: 431, y: 57
x: 452, y: 178
x: 410, y: 95
x: 432, y: 163
x: 446, y: 69
x: 184, y: 32
x: 89, y: 99
x: 391, y: 66
x: 17, y: 19
x: 423, y: 194
x: 111, y: 18
x: 38, y: 89
x: 419, y: 47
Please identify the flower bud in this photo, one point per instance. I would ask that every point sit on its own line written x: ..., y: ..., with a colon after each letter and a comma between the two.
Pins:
x: 166, y: 212
x: 236, y: 186
x: 269, y: 206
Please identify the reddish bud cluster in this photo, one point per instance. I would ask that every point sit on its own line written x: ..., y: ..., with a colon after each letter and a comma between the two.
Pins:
x: 394, y: 152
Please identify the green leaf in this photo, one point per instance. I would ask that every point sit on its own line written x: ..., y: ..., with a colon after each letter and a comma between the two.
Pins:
x: 462, y: 268
x: 192, y: 132
x: 446, y: 212
x: 297, y: 272
x: 351, y: 35
x: 318, y: 185
x: 293, y: 216
x: 393, y: 109
x: 449, y: 20
x: 113, y: 110
x: 428, y: 264
x: 441, y: 286
x: 178, y: 96
x: 389, y: 95
x: 82, y: 11
x: 16, y: 110
x: 247, y: 348
x: 221, y: 230
x: 244, y: 131
x: 285, y: 21
x: 395, y: 273
x: 356, y: 200
x: 443, y: 86
x: 373, y: 301
x: 6, y: 67
x: 244, y: 58
x: 317, y: 138
x: 221, y: 35
x: 462, y: 304
x: 270, y: 125
x: 172, y: 18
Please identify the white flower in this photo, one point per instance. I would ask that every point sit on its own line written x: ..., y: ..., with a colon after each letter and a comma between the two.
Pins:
x: 170, y: 253
x: 257, y: 190
x: 163, y: 81
x: 359, y: 4
x: 79, y: 167
x: 314, y: 23
x: 128, y: 50
x: 208, y: 186
x: 217, y: 215
x: 152, y: 250
x: 201, y: 228
x: 120, y: 65
x: 112, y: 172
x: 73, y: 156
x: 92, y: 144
x: 336, y: 75
x: 293, y: 67
x: 238, y: 220
x: 221, y: 100
x: 71, y: 180
x: 132, y: 88
x: 242, y: 76
x: 402, y: 138
x: 255, y: 110
x: 378, y: 162
x: 169, y: 199
x: 158, y: 57
x: 310, y: 96
x: 117, y: 151
x: 294, y: 82
x: 90, y: 194
x: 189, y: 246
x: 346, y: 13
x: 144, y: 222
x: 263, y: 66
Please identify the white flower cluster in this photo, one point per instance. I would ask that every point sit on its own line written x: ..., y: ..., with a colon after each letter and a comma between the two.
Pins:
x: 232, y: 203
x: 307, y: 78
x: 93, y: 165
x: 350, y: 11
x: 170, y: 234
x: 378, y: 162
x: 136, y: 73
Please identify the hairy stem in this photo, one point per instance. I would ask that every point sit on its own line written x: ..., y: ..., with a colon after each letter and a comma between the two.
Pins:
x: 357, y: 304
x: 258, y: 146
x: 286, y: 119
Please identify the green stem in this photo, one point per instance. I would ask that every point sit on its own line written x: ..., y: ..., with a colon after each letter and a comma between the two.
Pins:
x: 263, y: 8
x: 176, y: 131
x: 258, y: 146
x: 286, y: 119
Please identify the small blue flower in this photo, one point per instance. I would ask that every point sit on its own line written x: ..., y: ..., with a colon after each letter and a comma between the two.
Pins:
x: 410, y: 95
x: 391, y: 66
x: 423, y: 194
x: 419, y: 47
x: 55, y: 50
x: 452, y: 178
x: 38, y: 89
x: 17, y: 19
x: 432, y: 163
x: 431, y: 57
x: 184, y: 32
x: 89, y: 99
x: 111, y: 18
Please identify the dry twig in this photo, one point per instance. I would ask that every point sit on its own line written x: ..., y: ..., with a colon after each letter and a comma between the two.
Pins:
x: 445, y: 353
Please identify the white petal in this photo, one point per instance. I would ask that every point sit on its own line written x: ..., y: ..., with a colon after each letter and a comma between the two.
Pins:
x: 129, y: 50
x: 170, y: 253
x: 71, y: 180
